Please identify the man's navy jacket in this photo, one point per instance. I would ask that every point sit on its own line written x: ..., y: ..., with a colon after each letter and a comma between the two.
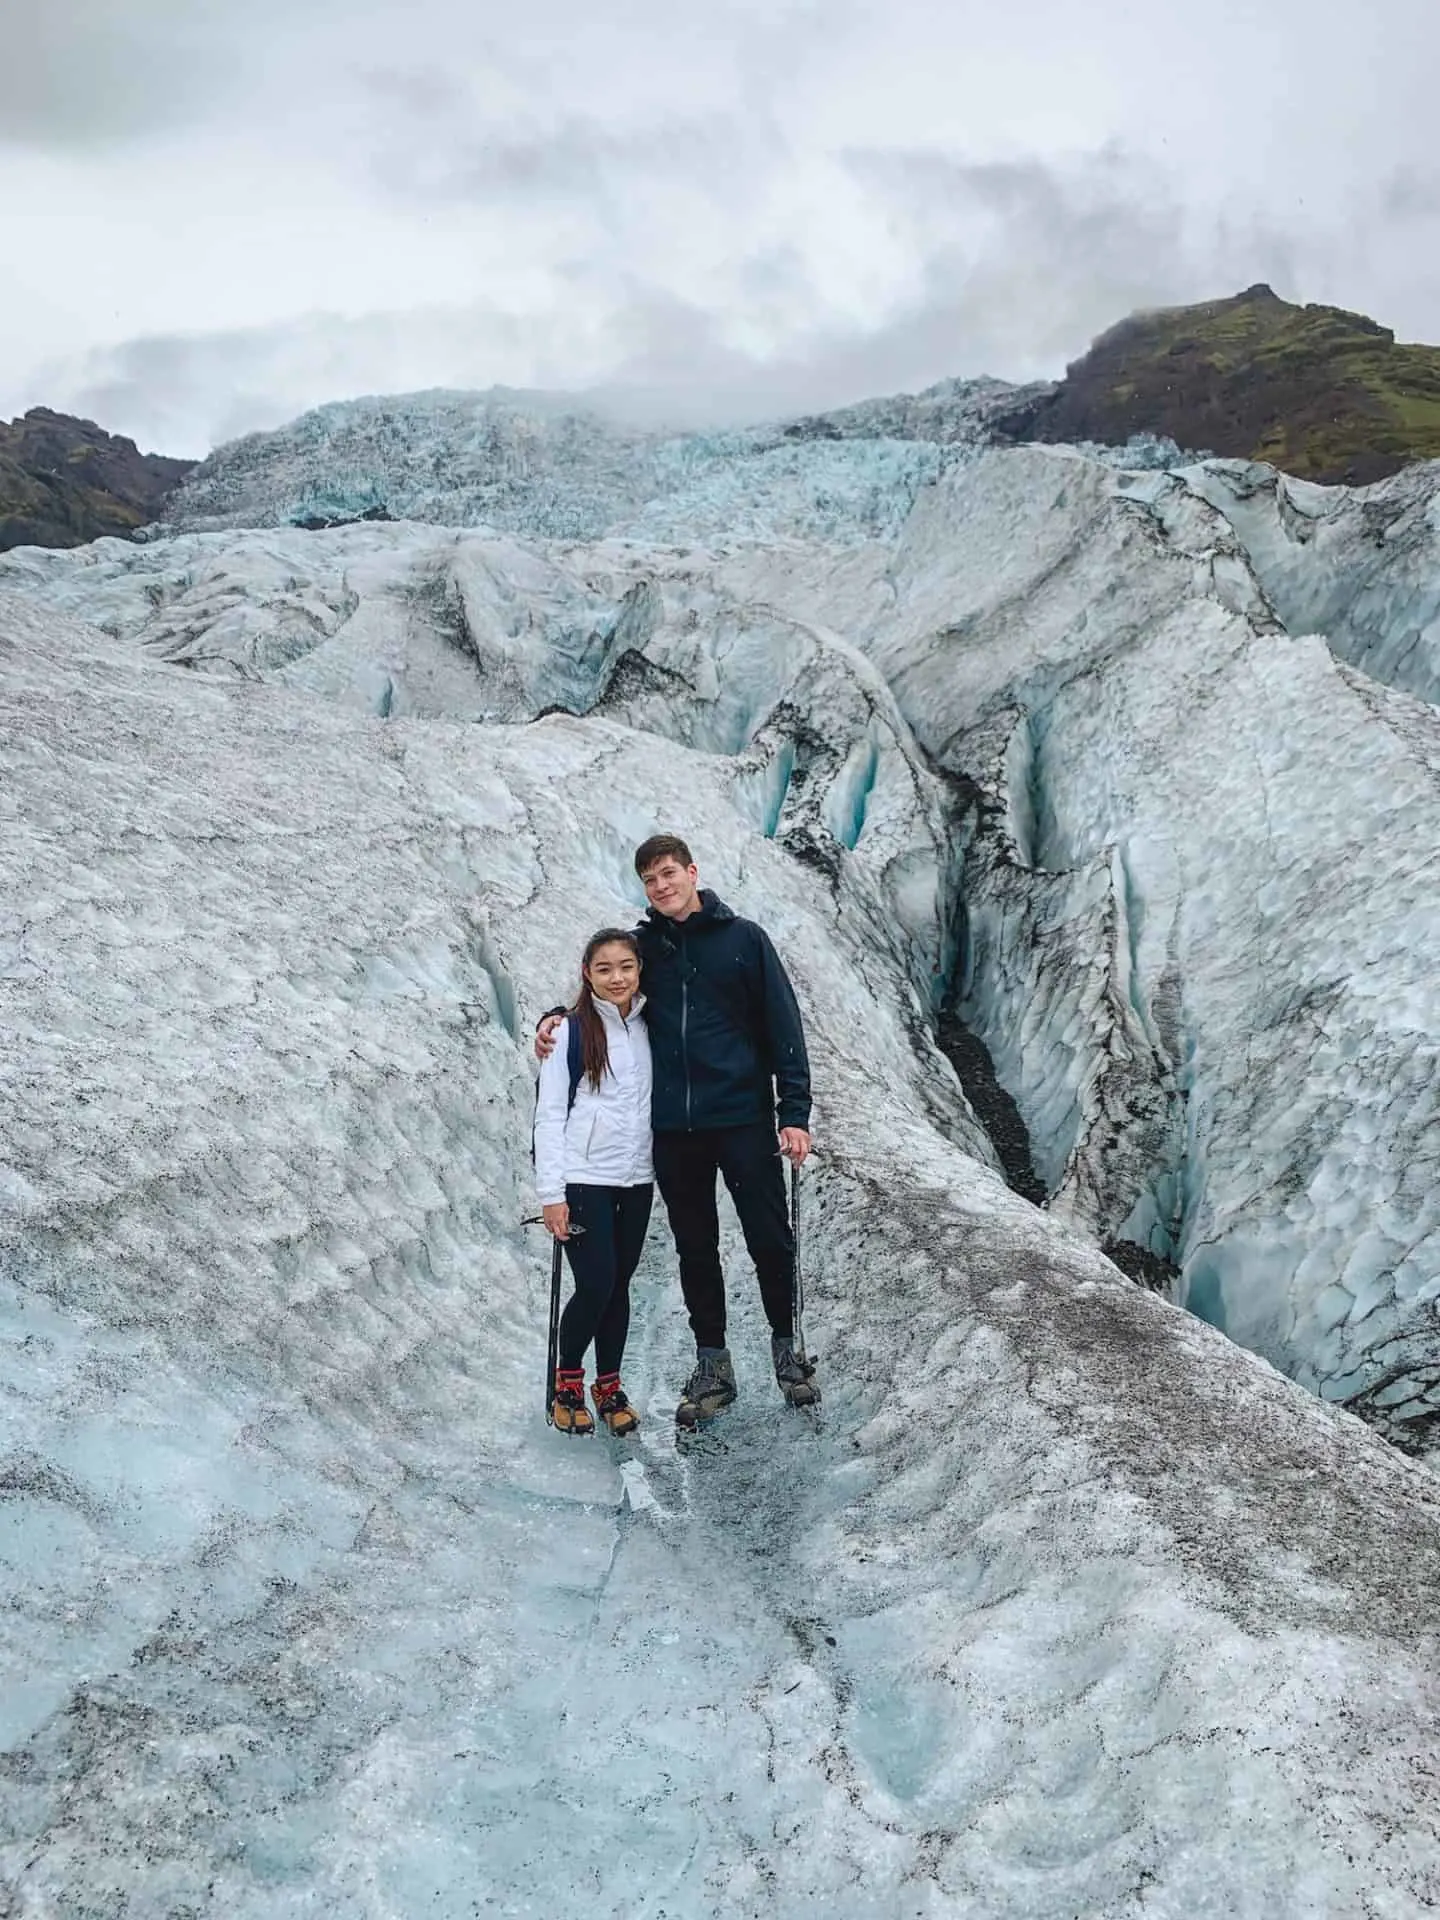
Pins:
x: 726, y: 1042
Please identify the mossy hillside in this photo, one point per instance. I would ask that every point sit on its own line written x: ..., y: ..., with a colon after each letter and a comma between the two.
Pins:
x: 1322, y: 393
x: 64, y: 481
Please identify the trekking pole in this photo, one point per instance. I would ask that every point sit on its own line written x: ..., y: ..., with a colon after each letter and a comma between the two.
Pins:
x: 799, y: 1277
x: 552, y: 1358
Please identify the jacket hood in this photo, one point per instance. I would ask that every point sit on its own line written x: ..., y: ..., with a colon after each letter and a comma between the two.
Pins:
x: 713, y: 913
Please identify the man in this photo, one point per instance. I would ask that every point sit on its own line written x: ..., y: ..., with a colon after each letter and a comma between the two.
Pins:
x: 730, y: 1068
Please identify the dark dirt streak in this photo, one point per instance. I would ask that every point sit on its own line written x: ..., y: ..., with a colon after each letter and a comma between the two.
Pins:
x: 993, y: 1107
x: 998, y: 1114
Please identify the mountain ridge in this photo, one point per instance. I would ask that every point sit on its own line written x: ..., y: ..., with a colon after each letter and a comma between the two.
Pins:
x: 1316, y: 391
x: 65, y: 481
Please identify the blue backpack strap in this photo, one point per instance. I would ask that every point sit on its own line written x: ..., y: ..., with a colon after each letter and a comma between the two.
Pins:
x: 573, y: 1058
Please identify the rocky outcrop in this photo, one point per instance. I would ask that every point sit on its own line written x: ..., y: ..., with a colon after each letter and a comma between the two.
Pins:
x: 64, y: 481
x: 1316, y: 391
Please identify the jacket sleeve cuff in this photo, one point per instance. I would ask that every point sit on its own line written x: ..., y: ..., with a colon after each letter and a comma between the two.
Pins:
x: 794, y: 1117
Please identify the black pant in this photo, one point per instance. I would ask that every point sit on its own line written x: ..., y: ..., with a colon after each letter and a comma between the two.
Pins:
x: 602, y: 1259
x: 748, y: 1159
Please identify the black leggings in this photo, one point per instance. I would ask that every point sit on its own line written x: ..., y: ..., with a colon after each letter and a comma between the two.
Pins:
x: 602, y: 1259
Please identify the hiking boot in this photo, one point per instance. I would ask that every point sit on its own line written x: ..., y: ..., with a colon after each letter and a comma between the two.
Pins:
x: 612, y: 1406
x: 568, y: 1410
x: 794, y: 1376
x: 709, y: 1390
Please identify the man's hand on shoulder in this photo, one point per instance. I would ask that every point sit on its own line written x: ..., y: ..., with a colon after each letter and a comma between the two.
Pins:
x: 795, y: 1145
x: 545, y: 1037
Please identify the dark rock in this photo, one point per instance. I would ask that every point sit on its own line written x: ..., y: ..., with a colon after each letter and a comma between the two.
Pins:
x: 1152, y: 1270
x: 992, y: 1106
x: 65, y: 481
x: 322, y: 522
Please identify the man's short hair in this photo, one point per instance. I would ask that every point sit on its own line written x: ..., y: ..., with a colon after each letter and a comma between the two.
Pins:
x: 661, y: 846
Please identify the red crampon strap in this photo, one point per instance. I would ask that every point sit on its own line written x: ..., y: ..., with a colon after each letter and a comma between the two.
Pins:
x: 570, y: 1380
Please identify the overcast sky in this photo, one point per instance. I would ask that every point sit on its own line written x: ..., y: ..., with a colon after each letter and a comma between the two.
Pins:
x: 215, y: 213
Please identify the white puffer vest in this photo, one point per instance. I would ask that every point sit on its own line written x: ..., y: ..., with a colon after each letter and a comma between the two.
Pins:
x: 605, y: 1139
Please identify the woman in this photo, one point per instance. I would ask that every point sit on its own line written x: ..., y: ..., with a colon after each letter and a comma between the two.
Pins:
x: 594, y: 1174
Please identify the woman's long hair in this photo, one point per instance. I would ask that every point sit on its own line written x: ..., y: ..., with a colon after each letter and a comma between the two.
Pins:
x: 594, y: 1047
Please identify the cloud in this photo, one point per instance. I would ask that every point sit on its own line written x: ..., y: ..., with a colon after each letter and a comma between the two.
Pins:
x: 1025, y: 261
x: 577, y: 160
x: 186, y: 393
x: 510, y: 141
x: 1011, y: 269
x: 79, y: 75
x: 1409, y: 195
x: 718, y: 209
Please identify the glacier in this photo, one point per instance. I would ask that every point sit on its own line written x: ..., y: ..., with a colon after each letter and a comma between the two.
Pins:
x: 1156, y: 821
x: 1072, y: 1604
x: 548, y: 465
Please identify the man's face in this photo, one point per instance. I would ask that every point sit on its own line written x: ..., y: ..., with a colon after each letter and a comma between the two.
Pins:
x: 671, y: 889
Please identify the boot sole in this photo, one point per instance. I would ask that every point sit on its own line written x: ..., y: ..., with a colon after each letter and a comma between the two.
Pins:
x: 689, y: 1424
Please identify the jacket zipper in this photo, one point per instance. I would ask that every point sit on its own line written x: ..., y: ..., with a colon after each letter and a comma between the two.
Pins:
x: 685, y: 1024
x: 632, y: 1081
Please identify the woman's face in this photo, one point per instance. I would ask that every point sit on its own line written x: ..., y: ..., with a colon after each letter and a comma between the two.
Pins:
x: 614, y: 973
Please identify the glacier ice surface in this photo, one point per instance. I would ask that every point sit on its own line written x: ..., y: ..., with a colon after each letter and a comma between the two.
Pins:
x: 548, y: 466
x: 1157, y: 890
x: 1070, y: 1605
x: 1360, y: 565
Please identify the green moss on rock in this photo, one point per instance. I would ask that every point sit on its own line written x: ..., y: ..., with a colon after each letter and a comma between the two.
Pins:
x: 1322, y: 393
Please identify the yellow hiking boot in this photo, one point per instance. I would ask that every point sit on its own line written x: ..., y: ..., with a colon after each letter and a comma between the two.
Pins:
x: 612, y: 1406
x: 568, y: 1410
